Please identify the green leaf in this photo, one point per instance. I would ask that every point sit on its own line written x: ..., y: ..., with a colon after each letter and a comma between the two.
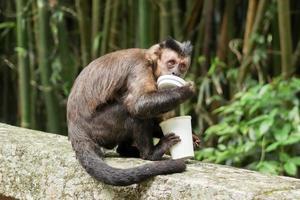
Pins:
x: 292, y: 139
x: 283, y: 134
x: 296, y: 160
x: 264, y: 90
x: 4, y: 25
x: 284, y: 157
x: 290, y: 168
x: 222, y: 156
x: 272, y: 146
x: 223, y: 138
x: 270, y: 167
x: 204, y: 153
x: 254, y: 108
x: 252, y: 134
x: 222, y: 147
x: 258, y: 119
x: 248, y: 146
x: 265, y: 126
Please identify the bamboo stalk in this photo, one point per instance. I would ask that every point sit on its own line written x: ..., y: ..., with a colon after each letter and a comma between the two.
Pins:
x: 164, y: 19
x: 192, y: 19
x: 176, y: 20
x: 32, y: 66
x: 196, y: 69
x: 247, y: 58
x: 276, y: 58
x: 84, y: 27
x: 65, y: 56
x: 296, y: 56
x: 113, y: 26
x: 285, y: 38
x: 224, y: 32
x: 52, y: 109
x: 144, y: 38
x: 96, y: 19
x: 252, y: 6
x: 124, y: 24
x: 208, y: 4
x: 131, y: 23
x: 105, y: 30
x: 23, y: 65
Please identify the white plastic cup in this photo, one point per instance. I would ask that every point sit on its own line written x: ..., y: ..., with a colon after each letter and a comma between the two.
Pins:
x: 182, y: 127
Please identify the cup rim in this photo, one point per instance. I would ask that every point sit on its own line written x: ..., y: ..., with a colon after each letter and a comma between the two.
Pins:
x: 174, y: 118
x: 171, y: 82
x: 171, y: 77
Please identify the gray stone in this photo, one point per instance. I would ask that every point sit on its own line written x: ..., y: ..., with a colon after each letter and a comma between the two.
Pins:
x: 39, y: 165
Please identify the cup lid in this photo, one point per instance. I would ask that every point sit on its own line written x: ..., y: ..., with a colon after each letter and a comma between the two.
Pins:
x: 171, y: 77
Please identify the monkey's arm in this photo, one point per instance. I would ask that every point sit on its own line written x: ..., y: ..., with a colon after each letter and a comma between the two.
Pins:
x: 145, y: 101
x: 161, y: 101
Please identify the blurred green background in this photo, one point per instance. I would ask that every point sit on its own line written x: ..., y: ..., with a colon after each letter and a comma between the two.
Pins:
x: 245, y: 65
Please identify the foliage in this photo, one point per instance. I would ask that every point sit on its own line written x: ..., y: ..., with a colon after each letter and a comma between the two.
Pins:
x: 259, y: 129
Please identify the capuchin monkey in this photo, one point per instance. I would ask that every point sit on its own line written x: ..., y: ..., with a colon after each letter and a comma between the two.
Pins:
x: 115, y: 102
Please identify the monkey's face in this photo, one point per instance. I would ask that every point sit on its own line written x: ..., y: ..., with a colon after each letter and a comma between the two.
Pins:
x: 171, y: 63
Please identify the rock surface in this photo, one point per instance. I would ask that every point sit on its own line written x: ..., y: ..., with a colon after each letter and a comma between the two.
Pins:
x: 39, y: 165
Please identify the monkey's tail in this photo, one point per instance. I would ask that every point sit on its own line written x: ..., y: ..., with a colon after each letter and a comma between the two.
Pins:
x: 97, y: 168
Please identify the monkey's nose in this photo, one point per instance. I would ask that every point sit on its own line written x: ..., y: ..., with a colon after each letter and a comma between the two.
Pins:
x: 175, y: 74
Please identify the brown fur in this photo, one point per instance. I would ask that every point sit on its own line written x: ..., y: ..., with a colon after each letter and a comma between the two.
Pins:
x: 114, y: 102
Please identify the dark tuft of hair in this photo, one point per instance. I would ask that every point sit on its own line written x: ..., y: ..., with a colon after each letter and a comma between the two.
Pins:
x: 184, y: 48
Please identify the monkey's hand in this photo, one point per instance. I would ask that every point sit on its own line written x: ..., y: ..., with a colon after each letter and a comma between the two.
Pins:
x: 189, y: 88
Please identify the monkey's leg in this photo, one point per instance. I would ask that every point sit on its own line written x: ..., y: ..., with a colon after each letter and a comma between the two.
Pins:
x: 143, y: 139
x: 126, y: 149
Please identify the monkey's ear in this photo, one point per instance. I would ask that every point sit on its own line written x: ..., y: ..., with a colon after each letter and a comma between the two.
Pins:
x: 153, y: 53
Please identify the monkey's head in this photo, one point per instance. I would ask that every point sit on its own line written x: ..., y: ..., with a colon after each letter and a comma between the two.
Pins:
x: 171, y: 57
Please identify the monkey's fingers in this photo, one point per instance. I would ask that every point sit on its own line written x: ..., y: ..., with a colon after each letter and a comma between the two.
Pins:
x: 169, y: 140
x: 169, y: 135
x: 191, y: 86
x: 196, y: 141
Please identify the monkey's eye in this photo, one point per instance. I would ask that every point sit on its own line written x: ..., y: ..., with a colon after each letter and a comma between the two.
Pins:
x: 171, y: 62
